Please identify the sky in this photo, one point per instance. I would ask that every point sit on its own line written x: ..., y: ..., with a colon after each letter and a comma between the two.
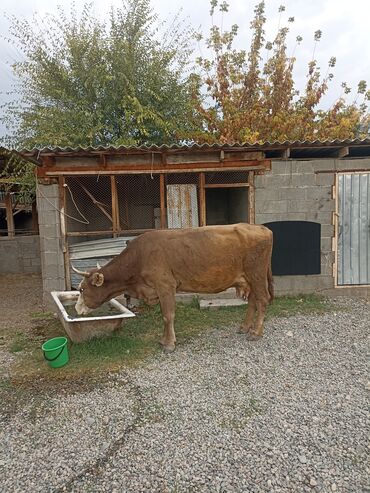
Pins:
x: 344, y: 25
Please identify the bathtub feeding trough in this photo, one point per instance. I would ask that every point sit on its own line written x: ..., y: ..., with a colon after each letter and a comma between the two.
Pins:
x: 100, y: 322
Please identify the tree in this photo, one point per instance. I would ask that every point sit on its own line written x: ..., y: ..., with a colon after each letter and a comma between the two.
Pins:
x: 86, y: 82
x: 238, y: 98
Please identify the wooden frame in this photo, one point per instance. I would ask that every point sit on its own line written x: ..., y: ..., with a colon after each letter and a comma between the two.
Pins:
x: 115, y: 218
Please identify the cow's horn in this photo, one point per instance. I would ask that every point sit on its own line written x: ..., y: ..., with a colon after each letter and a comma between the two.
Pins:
x: 98, y: 265
x: 80, y: 272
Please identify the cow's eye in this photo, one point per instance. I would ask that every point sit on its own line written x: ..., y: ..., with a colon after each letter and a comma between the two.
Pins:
x: 81, y: 290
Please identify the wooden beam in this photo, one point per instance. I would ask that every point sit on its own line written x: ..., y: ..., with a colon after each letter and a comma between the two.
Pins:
x: 9, y: 215
x: 115, y: 206
x: 35, y: 218
x: 202, y: 199
x: 96, y: 202
x: 112, y: 169
x: 226, y: 185
x: 163, y: 200
x: 251, y: 199
x: 343, y: 152
x: 286, y: 153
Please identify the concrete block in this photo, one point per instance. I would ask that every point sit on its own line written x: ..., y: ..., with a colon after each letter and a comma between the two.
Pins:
x: 327, y: 230
x: 303, y: 167
x: 292, y: 194
x: 299, y: 180
x: 320, y: 217
x: 350, y: 164
x: 324, y: 164
x: 325, y: 179
x: 281, y: 167
x: 272, y: 206
x: 220, y: 303
x: 324, y: 204
x: 326, y: 244
x: 265, y: 195
x: 302, y: 206
x: 267, y: 218
x: 283, y: 284
x: 318, y: 192
x: 278, y: 181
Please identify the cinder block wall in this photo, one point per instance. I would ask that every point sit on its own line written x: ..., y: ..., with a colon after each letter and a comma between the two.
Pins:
x: 295, y: 191
x: 20, y: 255
x: 52, y: 260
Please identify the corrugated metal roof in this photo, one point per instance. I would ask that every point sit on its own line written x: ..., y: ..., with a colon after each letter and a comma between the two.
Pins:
x: 195, y: 146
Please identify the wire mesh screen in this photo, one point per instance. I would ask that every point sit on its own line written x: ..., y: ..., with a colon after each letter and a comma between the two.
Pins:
x: 226, y: 177
x: 89, y: 203
x: 139, y: 201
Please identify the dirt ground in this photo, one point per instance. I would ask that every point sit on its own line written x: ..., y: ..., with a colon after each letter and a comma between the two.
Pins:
x: 20, y: 300
x: 20, y: 296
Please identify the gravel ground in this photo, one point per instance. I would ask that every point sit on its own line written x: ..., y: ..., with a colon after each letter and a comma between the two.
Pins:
x: 285, y: 414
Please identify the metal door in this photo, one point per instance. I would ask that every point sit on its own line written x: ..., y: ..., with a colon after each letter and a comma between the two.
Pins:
x: 353, y: 229
x: 182, y: 206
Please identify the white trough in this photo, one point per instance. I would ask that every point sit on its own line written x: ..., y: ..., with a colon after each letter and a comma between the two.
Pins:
x: 81, y: 329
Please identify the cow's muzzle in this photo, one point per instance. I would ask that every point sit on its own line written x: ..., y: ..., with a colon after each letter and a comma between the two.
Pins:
x: 81, y: 308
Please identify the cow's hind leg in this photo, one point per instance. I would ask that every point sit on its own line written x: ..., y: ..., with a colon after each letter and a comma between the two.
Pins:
x: 168, y: 307
x: 261, y: 303
x: 247, y: 325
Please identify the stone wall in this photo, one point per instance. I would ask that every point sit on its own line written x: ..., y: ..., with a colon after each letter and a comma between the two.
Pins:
x: 303, y: 191
x: 20, y: 255
x: 52, y: 260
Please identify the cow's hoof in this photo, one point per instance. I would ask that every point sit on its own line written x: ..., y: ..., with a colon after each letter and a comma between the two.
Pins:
x: 244, y: 330
x: 251, y: 336
x: 167, y: 348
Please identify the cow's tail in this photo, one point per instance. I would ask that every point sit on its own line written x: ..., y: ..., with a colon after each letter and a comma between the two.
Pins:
x: 270, y: 283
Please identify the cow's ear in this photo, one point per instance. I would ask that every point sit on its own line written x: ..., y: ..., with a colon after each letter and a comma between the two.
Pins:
x: 97, y: 279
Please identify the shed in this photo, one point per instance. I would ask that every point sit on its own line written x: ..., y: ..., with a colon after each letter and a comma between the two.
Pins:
x: 315, y: 196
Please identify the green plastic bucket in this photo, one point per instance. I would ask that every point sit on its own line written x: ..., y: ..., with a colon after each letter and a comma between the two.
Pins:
x: 56, y: 352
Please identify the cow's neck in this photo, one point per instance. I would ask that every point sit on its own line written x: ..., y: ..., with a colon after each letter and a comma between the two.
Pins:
x: 119, y: 272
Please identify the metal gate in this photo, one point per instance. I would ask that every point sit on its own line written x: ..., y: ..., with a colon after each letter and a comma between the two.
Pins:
x: 353, y: 229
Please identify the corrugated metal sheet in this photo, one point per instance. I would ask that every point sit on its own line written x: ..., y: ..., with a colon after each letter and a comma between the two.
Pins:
x: 182, y: 206
x: 86, y: 254
x: 354, y: 229
x: 195, y: 146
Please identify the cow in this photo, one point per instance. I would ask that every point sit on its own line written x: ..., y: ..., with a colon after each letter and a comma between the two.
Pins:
x: 157, y: 264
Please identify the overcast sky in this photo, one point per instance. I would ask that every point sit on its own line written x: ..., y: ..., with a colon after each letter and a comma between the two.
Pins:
x: 344, y: 24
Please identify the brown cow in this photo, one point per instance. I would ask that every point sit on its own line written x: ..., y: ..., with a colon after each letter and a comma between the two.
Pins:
x: 210, y: 259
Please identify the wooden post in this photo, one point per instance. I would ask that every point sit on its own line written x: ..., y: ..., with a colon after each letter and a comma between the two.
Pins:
x: 163, y: 201
x: 63, y: 231
x: 9, y: 215
x: 202, y: 199
x: 35, y: 218
x: 251, y: 199
x: 115, y: 207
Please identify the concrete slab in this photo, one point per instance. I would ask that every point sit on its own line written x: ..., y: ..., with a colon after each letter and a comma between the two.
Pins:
x: 221, y: 303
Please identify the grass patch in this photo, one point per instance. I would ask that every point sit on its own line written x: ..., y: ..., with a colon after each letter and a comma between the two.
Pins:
x: 139, y: 336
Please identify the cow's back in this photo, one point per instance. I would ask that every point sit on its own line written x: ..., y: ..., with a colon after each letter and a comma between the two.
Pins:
x: 205, y: 259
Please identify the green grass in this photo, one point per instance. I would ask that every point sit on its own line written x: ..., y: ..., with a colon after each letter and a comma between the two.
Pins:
x: 139, y: 336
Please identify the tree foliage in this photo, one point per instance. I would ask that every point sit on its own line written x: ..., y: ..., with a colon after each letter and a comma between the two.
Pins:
x: 239, y: 97
x: 87, y: 82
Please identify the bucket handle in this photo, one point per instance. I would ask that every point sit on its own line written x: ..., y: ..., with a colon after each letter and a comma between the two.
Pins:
x: 56, y: 357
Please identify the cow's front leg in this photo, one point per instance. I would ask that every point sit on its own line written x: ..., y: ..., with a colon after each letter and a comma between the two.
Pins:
x: 247, y: 325
x: 168, y: 306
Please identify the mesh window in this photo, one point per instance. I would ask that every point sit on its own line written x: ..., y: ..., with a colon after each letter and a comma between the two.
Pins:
x: 227, y: 177
x: 89, y: 203
x: 139, y: 201
x: 182, y: 178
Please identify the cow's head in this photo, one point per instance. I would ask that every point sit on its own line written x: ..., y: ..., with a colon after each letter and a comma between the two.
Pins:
x: 93, y: 293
